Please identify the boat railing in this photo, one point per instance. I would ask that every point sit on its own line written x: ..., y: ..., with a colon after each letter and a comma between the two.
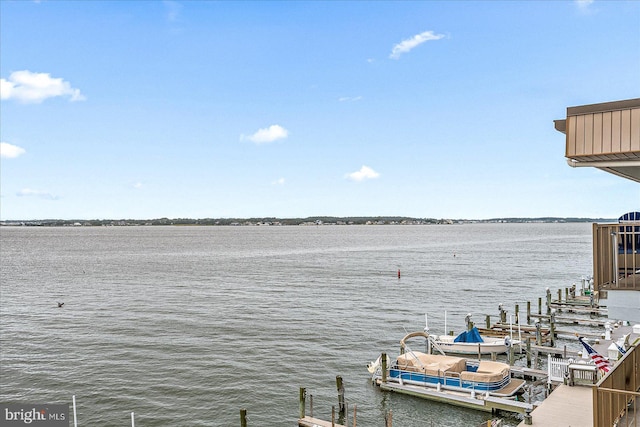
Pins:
x: 452, y: 374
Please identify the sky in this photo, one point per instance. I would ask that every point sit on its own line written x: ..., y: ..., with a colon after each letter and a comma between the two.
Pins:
x: 196, y: 109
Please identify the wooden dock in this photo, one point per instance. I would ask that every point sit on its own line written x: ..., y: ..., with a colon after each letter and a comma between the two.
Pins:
x: 479, y: 402
x: 315, y: 422
x: 565, y: 406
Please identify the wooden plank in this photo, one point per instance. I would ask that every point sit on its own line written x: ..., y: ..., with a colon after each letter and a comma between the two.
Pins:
x: 565, y: 406
x: 315, y: 422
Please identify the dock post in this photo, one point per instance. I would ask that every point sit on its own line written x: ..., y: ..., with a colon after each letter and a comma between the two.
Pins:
x: 539, y: 306
x: 566, y: 294
x: 340, y: 387
x: 488, y: 321
x: 384, y: 367
x: 303, y: 397
x: 528, y: 352
x: 552, y: 330
x: 311, y: 405
x: 355, y: 413
x: 538, y: 333
x: 511, y: 355
x: 243, y: 418
x: 388, y: 418
x: 548, y: 301
x: 333, y: 415
x: 528, y: 312
x: 517, y: 311
x: 559, y: 296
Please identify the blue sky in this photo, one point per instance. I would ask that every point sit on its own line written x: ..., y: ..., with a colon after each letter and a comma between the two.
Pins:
x: 197, y: 109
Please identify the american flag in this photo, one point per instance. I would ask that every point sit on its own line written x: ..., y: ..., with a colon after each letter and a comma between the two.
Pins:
x: 597, y: 358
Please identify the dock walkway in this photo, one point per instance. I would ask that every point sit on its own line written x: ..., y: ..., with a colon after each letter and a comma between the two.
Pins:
x: 565, y: 407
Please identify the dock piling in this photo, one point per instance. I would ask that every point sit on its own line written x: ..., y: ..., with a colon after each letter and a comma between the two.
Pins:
x: 243, y: 418
x: 528, y: 312
x: 384, y: 367
x: 303, y: 397
x: 340, y: 387
x: 488, y: 321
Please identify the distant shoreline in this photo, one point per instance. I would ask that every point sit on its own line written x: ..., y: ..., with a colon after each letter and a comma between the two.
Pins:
x: 270, y: 221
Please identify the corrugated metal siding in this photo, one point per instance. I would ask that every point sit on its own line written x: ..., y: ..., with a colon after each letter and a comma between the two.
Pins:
x: 609, y: 135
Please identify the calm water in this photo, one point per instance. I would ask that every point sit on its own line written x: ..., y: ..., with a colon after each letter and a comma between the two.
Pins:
x: 185, y: 326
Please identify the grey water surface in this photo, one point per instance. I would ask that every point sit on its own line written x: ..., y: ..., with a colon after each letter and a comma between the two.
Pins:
x: 185, y: 326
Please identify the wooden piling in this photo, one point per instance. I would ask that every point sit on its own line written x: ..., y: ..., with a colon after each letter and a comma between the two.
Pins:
x: 488, y: 321
x: 340, y: 387
x: 548, y: 301
x: 552, y: 330
x: 303, y: 398
x: 539, y: 305
x: 384, y: 367
x: 333, y: 415
x: 528, y: 352
x: 355, y: 413
x: 512, y: 357
x: 243, y: 418
x: 517, y: 311
x: 528, y: 312
x: 388, y: 418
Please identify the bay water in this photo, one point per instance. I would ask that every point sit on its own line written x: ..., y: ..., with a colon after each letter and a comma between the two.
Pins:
x: 186, y: 326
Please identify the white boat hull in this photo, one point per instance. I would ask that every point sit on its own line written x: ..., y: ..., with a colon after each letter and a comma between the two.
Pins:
x: 489, y: 346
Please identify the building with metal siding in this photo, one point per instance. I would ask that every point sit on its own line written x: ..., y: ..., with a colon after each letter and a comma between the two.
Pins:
x: 607, y: 136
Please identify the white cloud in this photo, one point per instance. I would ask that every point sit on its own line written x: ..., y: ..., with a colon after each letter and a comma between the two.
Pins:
x: 270, y: 134
x: 365, y: 172
x: 27, y: 192
x: 10, y: 151
x: 583, y: 5
x: 279, y: 181
x: 173, y: 9
x: 349, y: 98
x: 406, y: 45
x: 27, y: 87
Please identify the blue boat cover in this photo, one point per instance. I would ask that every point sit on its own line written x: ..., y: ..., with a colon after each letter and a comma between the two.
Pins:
x: 469, y: 336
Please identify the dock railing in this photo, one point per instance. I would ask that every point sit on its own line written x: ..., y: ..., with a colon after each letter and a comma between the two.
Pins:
x: 573, y: 372
x: 615, y: 397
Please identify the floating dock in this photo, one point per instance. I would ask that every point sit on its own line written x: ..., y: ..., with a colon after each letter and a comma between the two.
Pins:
x: 479, y: 401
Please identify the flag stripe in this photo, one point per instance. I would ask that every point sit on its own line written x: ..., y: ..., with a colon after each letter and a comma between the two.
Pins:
x: 600, y: 361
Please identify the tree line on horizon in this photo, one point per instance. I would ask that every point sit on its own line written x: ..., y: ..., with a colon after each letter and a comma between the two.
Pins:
x: 357, y: 220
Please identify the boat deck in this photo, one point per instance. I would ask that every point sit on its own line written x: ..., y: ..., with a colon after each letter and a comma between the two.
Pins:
x: 510, y: 388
